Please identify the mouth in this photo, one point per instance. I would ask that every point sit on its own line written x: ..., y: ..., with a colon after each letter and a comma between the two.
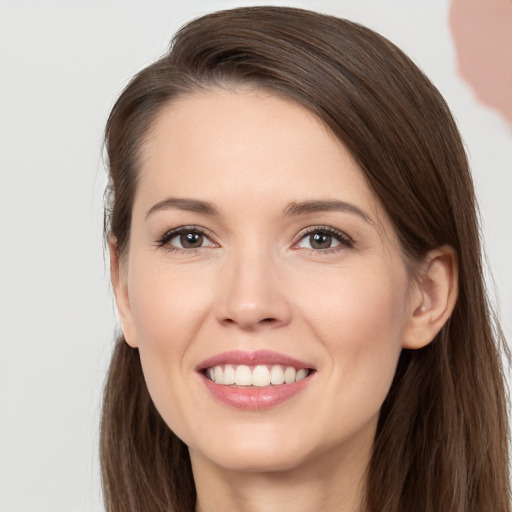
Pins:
x: 260, y: 376
x: 255, y: 380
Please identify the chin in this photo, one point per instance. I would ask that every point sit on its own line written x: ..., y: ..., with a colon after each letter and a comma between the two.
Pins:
x: 257, y: 461
x: 257, y: 453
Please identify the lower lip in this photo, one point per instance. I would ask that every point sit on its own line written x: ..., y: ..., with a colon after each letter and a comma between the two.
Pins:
x: 254, y: 398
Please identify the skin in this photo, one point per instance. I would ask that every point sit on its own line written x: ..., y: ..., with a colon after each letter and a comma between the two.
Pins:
x: 258, y: 283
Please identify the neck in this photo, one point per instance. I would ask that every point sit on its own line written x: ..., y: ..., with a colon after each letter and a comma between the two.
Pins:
x: 331, y: 484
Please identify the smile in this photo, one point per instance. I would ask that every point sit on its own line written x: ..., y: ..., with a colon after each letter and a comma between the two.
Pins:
x: 256, y: 376
x: 254, y: 381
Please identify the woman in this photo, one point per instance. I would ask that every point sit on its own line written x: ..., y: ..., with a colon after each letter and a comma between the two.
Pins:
x: 295, y: 258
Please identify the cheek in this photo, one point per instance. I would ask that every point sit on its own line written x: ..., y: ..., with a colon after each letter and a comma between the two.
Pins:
x: 167, y: 307
x: 358, y: 300
x: 360, y: 321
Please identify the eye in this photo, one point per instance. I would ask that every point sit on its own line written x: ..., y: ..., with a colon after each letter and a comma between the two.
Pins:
x: 324, y: 238
x: 186, y: 238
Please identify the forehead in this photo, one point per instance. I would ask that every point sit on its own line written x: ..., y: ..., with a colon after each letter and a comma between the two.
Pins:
x: 220, y: 145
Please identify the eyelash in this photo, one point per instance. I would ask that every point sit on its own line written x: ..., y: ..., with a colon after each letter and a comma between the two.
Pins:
x: 344, y: 240
x: 163, y: 242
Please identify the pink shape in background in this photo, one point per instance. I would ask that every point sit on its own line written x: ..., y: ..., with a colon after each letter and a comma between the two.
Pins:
x: 482, y: 32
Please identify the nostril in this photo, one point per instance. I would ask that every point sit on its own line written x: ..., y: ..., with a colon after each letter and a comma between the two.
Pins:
x: 252, y: 314
x: 251, y: 324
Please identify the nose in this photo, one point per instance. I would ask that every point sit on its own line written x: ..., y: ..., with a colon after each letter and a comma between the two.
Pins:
x: 252, y: 294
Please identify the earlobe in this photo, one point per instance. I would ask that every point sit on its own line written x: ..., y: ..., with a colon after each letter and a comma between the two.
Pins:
x: 434, y: 298
x: 118, y: 276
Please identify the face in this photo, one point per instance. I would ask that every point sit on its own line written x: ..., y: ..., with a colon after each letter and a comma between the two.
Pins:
x: 263, y: 285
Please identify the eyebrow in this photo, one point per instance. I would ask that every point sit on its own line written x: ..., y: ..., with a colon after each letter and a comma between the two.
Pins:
x: 330, y: 205
x: 294, y: 208
x: 189, y: 205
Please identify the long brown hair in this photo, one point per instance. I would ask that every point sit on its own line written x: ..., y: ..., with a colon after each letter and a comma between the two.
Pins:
x: 442, y: 438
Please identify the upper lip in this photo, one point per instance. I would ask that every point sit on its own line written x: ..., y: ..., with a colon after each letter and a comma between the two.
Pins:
x: 237, y: 357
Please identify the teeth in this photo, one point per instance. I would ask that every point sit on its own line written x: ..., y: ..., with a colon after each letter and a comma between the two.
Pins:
x: 289, y: 375
x: 276, y: 375
x: 229, y: 375
x: 301, y: 374
x: 218, y: 374
x: 259, y: 376
x: 243, y: 375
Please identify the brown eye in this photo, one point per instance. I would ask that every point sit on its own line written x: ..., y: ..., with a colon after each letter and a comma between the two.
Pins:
x: 320, y: 241
x: 324, y: 238
x: 191, y: 240
x: 186, y: 238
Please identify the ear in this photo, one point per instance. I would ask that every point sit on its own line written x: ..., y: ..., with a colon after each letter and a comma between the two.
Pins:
x: 118, y: 276
x: 433, y: 299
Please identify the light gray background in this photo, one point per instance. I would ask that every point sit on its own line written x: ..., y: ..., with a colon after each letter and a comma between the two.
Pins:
x: 62, y: 64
